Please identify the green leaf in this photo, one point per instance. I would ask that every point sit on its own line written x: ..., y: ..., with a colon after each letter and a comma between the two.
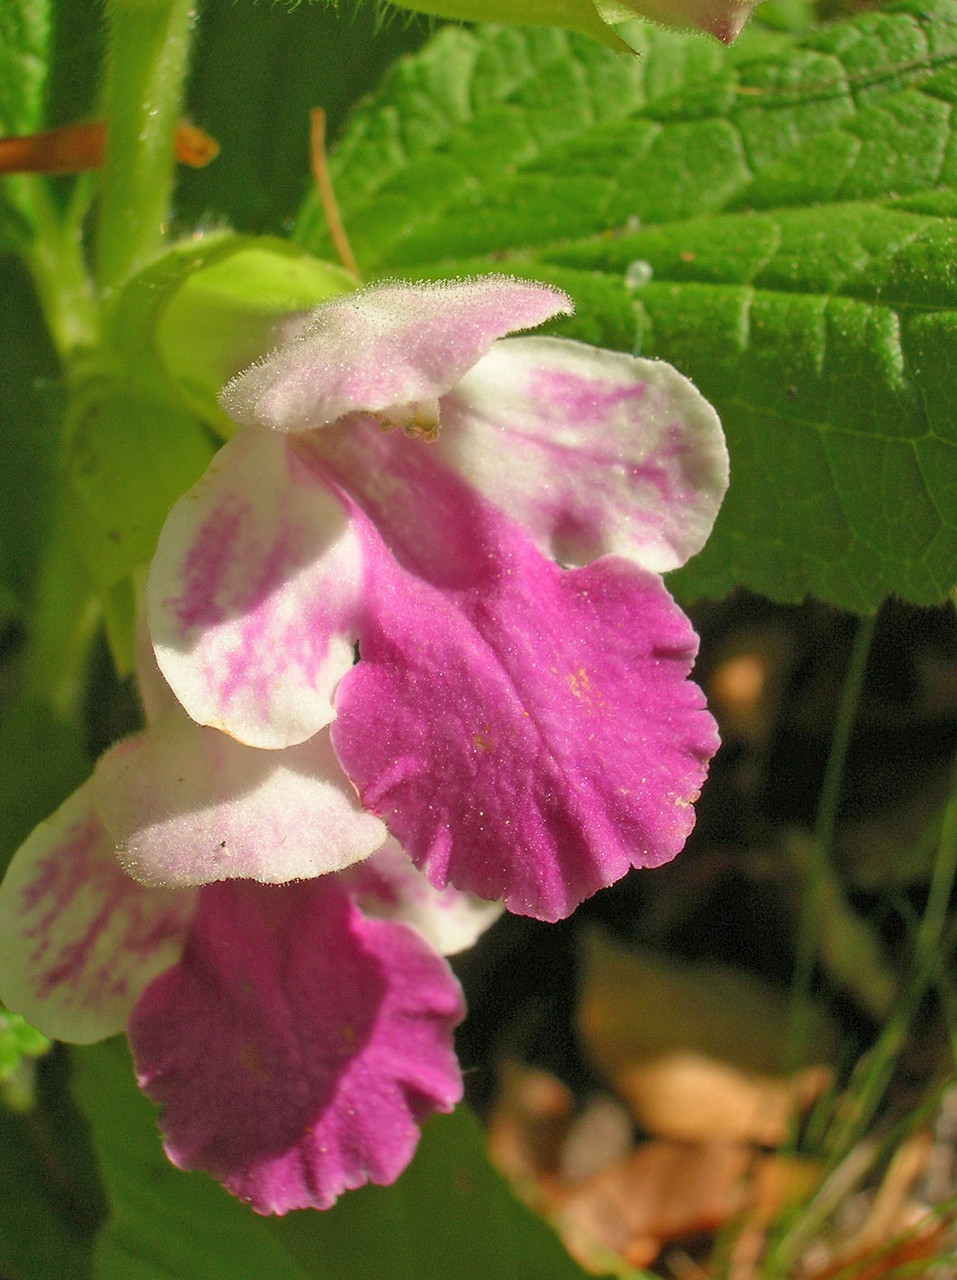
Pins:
x: 208, y: 307
x: 849, y: 947
x: 36, y: 1239
x: 18, y: 1040
x: 449, y: 1217
x: 42, y: 756
x: 130, y: 458
x: 162, y: 1223
x: 24, y: 50
x: 50, y: 1203
x: 779, y: 221
x: 24, y: 54
x: 20, y: 1044
x: 42, y: 759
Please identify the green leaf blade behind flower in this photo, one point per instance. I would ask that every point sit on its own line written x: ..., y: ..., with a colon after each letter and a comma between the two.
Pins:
x: 449, y: 1197
x: 161, y: 1222
x: 164, y: 1223
x: 779, y: 224
x: 822, y: 363
x: 208, y: 307
x: 50, y: 1204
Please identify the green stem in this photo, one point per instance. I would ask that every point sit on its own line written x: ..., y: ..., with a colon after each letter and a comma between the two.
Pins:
x: 816, y: 870
x: 55, y: 261
x: 877, y: 1068
x: 64, y: 622
x: 931, y: 931
x: 147, y: 61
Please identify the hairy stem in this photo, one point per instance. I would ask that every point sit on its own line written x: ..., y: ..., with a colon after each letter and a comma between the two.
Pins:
x: 147, y: 61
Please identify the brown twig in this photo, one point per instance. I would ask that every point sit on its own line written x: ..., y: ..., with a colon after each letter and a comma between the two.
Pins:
x: 320, y: 172
x: 74, y: 148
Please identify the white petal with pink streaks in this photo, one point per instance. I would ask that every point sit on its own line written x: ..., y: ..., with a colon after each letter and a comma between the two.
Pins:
x: 80, y: 940
x: 590, y: 451
x: 253, y: 594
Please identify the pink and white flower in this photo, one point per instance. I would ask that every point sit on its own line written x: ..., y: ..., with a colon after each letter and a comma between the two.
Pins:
x: 484, y: 521
x: 294, y: 1040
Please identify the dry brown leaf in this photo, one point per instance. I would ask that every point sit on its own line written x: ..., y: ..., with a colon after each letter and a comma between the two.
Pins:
x: 600, y: 1135
x: 660, y: 1192
x: 664, y: 1191
x: 745, y: 682
x: 532, y: 1116
x: 779, y: 1181
x: 687, y: 1096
